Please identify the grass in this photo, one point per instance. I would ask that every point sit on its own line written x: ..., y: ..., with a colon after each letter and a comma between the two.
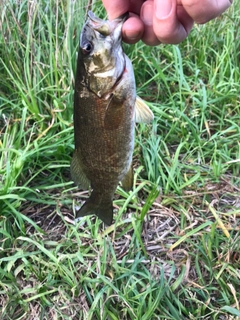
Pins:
x: 173, y: 252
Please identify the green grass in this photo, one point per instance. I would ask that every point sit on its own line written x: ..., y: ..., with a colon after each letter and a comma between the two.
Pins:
x: 173, y: 252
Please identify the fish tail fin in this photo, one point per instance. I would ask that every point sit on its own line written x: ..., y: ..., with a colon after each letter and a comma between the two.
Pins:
x: 102, y: 208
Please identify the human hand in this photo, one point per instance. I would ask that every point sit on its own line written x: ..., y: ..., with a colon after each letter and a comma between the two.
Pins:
x: 166, y: 21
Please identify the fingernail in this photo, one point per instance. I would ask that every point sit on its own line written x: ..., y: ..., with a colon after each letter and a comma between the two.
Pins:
x: 147, y: 13
x: 163, y: 8
x: 132, y: 36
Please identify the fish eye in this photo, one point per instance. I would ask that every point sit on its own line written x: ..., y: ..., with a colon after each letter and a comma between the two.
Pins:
x: 87, y: 48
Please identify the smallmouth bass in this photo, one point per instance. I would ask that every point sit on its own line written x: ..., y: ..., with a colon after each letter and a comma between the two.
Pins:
x: 105, y: 106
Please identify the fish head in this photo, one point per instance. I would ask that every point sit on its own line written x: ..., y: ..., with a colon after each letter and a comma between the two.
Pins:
x: 101, y: 53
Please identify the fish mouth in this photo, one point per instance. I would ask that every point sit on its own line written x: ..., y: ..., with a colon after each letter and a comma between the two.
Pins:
x: 105, y: 27
x: 98, y: 24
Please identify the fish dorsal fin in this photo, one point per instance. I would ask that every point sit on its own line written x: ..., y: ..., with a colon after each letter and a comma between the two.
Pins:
x: 142, y: 111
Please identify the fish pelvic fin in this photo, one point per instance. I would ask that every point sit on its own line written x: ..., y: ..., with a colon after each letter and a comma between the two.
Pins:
x: 127, y: 181
x: 142, y: 111
x: 103, y: 209
x: 77, y: 172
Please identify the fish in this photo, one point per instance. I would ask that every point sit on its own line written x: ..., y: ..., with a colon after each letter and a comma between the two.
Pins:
x: 104, y: 116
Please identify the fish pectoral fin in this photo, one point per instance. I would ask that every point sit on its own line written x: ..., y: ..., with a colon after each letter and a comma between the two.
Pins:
x: 127, y: 181
x: 77, y: 172
x: 142, y: 111
x: 102, y: 209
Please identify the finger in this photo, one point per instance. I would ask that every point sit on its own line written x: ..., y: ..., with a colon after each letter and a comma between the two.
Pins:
x: 132, y: 30
x: 135, y: 6
x: 146, y: 16
x: 171, y: 23
x: 205, y: 10
x: 116, y: 8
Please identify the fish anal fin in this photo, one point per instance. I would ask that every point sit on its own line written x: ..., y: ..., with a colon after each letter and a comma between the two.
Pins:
x: 77, y: 173
x: 142, y: 111
x: 127, y: 181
